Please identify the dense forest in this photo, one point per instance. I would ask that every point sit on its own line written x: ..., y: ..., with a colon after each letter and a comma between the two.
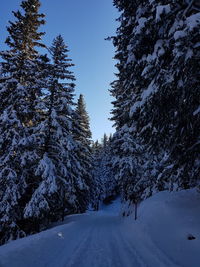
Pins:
x: 157, y: 97
x: 49, y: 165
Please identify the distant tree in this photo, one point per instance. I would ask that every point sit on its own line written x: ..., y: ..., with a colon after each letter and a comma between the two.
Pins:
x: 105, y: 140
x: 98, y: 190
x: 82, y: 135
x: 107, y: 187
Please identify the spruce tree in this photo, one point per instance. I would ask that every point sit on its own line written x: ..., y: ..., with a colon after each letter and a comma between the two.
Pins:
x: 82, y: 136
x: 157, y: 88
x: 55, y: 195
x: 167, y: 119
x: 126, y: 163
x: 98, y: 188
x: 19, y: 91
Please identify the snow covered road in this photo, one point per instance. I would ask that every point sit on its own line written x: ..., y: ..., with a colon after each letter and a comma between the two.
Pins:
x: 95, y: 239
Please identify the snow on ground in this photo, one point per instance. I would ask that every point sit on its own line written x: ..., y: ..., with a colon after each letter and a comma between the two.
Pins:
x: 168, y: 219
x: 159, y: 238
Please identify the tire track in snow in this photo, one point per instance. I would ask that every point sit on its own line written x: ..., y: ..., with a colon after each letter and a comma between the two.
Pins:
x: 95, y: 251
x: 131, y: 254
x: 78, y: 254
x: 155, y: 256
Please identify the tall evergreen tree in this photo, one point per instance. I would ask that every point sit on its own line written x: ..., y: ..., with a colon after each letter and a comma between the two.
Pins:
x: 126, y: 162
x: 82, y: 135
x: 157, y: 88
x: 19, y: 91
x: 58, y: 164
x: 98, y: 191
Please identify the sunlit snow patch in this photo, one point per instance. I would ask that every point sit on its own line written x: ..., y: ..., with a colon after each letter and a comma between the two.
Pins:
x: 60, y: 234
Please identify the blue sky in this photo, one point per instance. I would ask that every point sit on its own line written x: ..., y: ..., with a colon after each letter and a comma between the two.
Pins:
x: 84, y: 24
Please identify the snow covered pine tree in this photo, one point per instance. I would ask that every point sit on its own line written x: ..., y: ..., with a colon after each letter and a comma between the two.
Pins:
x: 157, y: 88
x: 18, y: 93
x: 107, y: 185
x: 58, y: 167
x: 85, y: 186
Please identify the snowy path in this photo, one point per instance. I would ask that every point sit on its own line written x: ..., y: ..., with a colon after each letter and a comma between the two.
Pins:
x: 97, y: 239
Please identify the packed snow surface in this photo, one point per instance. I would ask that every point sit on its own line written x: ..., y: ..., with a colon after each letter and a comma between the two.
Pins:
x: 159, y: 238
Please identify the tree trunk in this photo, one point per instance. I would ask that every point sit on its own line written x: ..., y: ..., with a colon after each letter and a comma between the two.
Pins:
x: 135, y: 211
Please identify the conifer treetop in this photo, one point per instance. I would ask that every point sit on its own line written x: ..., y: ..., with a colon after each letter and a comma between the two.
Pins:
x: 84, y: 118
x: 59, y: 51
x: 23, y: 35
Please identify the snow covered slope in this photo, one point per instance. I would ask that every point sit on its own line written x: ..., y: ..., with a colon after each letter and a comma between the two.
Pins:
x: 159, y: 238
x: 169, y: 218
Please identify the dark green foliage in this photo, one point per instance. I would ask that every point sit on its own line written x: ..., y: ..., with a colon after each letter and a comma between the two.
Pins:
x: 18, y: 114
x: 157, y: 93
x: 82, y: 136
x: 58, y: 163
x: 45, y: 155
x: 103, y: 172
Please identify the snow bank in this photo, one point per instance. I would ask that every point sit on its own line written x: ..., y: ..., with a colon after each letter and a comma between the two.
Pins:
x: 169, y: 218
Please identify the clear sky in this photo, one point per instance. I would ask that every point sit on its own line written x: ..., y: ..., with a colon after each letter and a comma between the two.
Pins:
x: 84, y: 24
